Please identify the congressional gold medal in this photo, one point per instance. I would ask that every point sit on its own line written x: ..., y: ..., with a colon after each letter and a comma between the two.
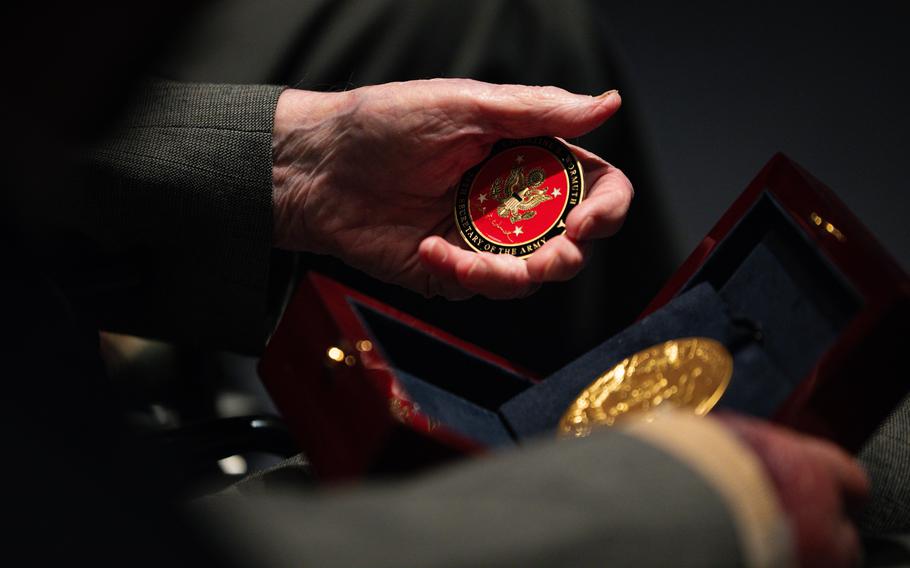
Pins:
x: 690, y: 373
x: 518, y: 198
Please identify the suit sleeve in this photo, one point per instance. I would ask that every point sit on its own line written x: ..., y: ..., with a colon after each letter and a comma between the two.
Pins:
x: 176, y: 207
x: 634, y: 498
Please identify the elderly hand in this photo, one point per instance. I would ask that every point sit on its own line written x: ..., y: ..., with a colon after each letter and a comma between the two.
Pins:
x: 369, y: 176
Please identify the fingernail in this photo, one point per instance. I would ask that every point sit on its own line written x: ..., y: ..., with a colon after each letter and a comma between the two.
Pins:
x: 607, y: 95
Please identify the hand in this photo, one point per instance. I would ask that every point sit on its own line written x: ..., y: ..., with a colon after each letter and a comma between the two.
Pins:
x: 369, y: 176
x: 819, y: 485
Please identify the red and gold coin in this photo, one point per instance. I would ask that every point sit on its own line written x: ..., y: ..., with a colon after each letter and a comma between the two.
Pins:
x: 518, y: 198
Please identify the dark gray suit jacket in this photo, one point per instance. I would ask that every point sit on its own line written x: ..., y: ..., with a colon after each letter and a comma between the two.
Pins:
x: 181, y: 196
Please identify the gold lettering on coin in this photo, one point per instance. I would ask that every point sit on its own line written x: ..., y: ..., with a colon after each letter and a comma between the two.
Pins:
x: 690, y: 373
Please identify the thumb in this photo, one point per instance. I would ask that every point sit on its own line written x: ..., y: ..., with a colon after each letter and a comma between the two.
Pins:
x: 518, y: 111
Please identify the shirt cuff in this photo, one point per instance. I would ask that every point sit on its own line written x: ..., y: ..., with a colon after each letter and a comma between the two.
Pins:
x: 735, y: 473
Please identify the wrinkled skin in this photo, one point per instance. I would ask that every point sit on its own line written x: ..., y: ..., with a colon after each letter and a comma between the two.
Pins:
x: 369, y: 176
x: 819, y: 486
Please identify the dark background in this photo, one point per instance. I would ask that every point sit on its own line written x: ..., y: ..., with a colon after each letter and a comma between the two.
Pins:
x: 721, y: 86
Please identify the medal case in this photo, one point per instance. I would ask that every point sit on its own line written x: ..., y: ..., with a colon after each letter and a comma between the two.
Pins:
x: 811, y: 307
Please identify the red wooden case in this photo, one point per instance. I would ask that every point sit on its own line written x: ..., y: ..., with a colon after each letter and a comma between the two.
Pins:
x: 859, y: 379
x: 340, y: 365
x: 342, y: 398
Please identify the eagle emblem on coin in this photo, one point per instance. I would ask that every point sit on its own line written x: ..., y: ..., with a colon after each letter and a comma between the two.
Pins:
x: 519, y: 194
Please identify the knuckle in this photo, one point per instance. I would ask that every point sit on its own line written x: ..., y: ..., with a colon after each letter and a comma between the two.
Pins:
x: 547, y: 92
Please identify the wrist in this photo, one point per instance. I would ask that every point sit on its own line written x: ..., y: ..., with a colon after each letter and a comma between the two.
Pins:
x: 306, y: 127
x: 731, y: 467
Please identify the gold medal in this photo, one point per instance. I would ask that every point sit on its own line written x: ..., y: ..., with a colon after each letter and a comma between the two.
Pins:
x: 690, y: 373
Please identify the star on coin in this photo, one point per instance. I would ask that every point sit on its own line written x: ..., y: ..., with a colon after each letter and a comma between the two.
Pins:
x: 518, y: 230
x: 482, y: 197
x: 519, y: 159
x: 556, y: 192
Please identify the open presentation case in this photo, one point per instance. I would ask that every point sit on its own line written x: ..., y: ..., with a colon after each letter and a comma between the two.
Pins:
x: 811, y: 307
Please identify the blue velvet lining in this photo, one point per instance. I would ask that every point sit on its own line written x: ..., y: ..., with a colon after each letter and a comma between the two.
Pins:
x: 452, y: 371
x: 796, y: 329
x: 457, y: 413
x: 455, y: 387
x: 698, y: 312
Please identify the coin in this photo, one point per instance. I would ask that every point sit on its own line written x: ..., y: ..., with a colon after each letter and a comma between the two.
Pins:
x: 690, y: 373
x: 518, y: 198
